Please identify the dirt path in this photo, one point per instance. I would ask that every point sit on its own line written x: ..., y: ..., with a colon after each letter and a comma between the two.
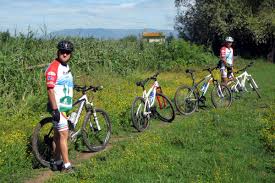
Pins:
x: 46, y: 173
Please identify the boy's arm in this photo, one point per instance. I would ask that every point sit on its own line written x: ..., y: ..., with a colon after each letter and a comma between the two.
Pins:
x: 51, y: 97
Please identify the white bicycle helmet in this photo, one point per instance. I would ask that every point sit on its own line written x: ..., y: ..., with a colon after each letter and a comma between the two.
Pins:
x: 229, y: 39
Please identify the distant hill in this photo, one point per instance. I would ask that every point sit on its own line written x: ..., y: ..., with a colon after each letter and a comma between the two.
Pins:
x: 102, y: 33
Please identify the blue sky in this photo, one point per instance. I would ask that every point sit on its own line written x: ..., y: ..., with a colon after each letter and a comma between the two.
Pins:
x: 64, y: 14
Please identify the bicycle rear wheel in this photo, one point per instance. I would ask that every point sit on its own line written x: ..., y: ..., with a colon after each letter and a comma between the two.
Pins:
x: 221, y: 96
x: 94, y: 138
x: 163, y: 108
x: 42, y: 142
x: 185, y: 100
x: 140, y: 121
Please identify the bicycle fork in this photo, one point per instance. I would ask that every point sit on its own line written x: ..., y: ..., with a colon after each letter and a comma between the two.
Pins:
x: 92, y: 109
x: 252, y: 82
x: 146, y: 112
x: 220, y: 93
x: 161, y: 100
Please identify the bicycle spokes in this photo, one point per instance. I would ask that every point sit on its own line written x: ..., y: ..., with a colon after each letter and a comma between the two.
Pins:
x: 221, y: 96
x: 96, y: 131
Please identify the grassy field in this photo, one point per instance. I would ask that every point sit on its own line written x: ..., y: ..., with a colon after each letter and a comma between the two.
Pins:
x: 212, y: 145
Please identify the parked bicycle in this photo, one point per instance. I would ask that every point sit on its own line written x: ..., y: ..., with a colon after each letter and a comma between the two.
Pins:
x: 152, y: 103
x: 95, y: 130
x: 244, y: 82
x: 187, y: 99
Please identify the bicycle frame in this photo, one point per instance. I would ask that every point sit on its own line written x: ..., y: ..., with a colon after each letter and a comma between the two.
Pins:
x: 89, y: 106
x: 241, y: 80
x: 149, y: 98
x: 207, y: 80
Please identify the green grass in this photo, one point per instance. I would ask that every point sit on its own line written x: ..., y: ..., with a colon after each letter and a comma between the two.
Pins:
x: 213, y: 145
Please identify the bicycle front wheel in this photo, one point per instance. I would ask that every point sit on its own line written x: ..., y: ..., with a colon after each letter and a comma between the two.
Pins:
x: 185, y: 100
x: 139, y: 119
x: 163, y: 108
x: 96, y: 137
x: 221, y: 96
x: 42, y: 142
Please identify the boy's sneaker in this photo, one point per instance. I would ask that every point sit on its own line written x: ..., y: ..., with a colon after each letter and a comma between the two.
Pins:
x: 69, y: 169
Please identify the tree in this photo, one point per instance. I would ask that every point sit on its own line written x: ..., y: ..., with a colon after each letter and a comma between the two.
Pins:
x: 131, y: 38
x: 250, y: 22
x: 4, y: 36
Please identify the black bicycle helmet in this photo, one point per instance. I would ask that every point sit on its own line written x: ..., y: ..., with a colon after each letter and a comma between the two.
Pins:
x: 65, y: 45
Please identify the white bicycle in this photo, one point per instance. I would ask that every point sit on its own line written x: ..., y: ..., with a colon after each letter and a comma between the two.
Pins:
x: 152, y: 103
x: 95, y: 129
x: 189, y: 98
x: 244, y: 82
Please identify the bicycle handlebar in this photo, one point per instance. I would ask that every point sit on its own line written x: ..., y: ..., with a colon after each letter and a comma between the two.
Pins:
x: 85, y: 88
x: 209, y: 69
x: 143, y: 82
x: 246, y: 67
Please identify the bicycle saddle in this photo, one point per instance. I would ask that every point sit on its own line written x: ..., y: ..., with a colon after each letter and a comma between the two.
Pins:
x: 189, y: 70
x: 139, y: 83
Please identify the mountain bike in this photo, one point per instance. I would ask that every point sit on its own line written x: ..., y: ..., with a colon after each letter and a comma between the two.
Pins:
x: 95, y: 130
x: 244, y: 82
x: 187, y: 99
x: 152, y: 104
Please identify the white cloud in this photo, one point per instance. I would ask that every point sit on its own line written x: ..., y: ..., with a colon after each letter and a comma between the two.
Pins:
x: 61, y: 14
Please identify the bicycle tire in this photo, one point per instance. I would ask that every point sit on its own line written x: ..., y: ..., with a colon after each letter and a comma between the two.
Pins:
x: 164, y: 108
x: 42, y: 147
x: 93, y: 140
x: 140, y: 122
x: 183, y: 104
x: 225, y: 98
